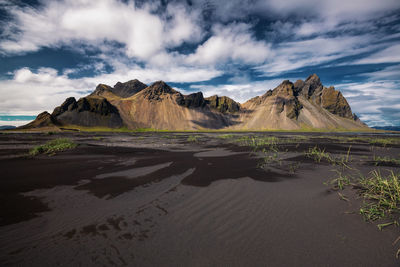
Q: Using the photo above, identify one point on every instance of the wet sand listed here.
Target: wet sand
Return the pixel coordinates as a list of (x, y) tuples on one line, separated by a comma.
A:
[(156, 199)]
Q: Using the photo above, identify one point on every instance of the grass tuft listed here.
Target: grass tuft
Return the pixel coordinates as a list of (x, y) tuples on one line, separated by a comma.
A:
[(53, 146), (381, 195), (318, 154), (193, 138), (340, 182)]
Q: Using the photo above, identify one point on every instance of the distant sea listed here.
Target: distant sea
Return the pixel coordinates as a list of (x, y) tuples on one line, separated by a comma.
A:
[(387, 128), (15, 120)]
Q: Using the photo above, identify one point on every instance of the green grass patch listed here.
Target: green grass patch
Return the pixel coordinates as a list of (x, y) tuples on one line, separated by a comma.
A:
[(384, 141), (318, 154), (193, 138), (260, 143), (53, 146), (340, 182), (269, 159), (381, 195), (226, 136)]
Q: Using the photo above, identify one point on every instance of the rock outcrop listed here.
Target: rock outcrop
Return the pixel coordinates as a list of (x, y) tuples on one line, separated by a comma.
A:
[(223, 104), (129, 88), (326, 97), (123, 90), (88, 111), (42, 120)]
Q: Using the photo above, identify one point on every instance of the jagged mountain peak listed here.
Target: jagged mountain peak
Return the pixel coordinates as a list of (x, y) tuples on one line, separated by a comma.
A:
[(160, 87), (286, 88), (313, 79), (310, 87), (128, 88)]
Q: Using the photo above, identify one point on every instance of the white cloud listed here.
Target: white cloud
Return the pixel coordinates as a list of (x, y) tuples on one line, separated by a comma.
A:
[(369, 100), (331, 9), (183, 27), (305, 53), (387, 55), (31, 93), (231, 42), (388, 73), (70, 22), (149, 74)]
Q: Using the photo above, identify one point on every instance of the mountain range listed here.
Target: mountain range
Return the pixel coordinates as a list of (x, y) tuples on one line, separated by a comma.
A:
[(290, 106)]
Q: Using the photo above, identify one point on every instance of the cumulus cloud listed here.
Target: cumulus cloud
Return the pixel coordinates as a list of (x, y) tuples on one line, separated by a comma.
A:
[(71, 22), (30, 93), (231, 42)]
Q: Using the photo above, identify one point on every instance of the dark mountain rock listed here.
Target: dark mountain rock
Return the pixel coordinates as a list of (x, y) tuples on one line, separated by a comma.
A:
[(129, 88), (328, 98), (157, 89), (311, 88), (101, 89), (223, 104), (44, 119), (194, 100), (69, 104), (88, 111), (123, 90), (286, 97), (334, 102)]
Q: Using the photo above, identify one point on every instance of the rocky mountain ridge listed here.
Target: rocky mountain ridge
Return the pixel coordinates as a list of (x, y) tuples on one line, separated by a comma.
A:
[(133, 104)]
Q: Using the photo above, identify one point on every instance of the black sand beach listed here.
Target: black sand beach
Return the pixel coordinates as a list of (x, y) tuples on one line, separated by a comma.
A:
[(183, 199)]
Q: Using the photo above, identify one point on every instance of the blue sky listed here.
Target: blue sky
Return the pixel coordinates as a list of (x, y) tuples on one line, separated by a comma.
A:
[(50, 50)]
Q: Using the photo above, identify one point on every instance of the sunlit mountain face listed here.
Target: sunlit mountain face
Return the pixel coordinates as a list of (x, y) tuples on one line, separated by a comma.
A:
[(51, 50)]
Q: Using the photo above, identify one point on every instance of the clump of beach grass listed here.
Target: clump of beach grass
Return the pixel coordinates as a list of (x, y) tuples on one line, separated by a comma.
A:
[(381, 195), (260, 143), (226, 136), (193, 138), (53, 146), (340, 182), (318, 154)]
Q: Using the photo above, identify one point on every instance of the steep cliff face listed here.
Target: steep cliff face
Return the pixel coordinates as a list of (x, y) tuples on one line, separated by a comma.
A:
[(328, 98), (304, 104), (334, 102)]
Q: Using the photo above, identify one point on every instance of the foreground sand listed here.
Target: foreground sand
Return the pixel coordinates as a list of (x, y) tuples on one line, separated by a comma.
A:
[(161, 199)]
